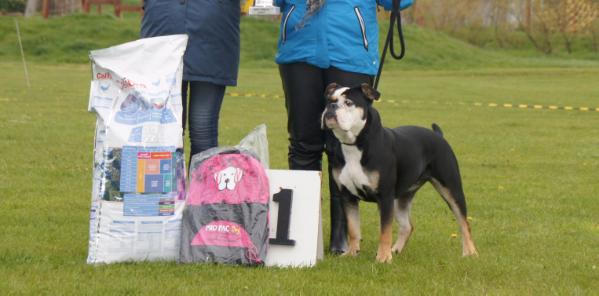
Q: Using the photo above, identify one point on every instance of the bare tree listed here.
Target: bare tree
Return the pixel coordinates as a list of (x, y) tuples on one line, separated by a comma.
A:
[(594, 30), (573, 17), (499, 13), (536, 21)]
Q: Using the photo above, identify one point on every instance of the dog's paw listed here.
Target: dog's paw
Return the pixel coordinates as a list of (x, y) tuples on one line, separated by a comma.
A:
[(398, 247), (470, 252), (353, 252), (468, 249), (384, 256)]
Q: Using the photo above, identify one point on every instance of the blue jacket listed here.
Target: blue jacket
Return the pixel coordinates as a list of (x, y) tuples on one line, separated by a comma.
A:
[(212, 53), (344, 34)]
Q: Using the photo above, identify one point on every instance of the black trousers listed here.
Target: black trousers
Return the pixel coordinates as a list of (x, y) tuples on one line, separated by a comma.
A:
[(304, 87)]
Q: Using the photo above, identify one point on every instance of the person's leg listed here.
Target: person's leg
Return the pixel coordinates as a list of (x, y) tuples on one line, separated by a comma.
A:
[(338, 220), (304, 88), (205, 101)]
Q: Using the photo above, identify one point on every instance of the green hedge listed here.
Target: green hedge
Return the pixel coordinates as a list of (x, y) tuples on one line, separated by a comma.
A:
[(12, 5)]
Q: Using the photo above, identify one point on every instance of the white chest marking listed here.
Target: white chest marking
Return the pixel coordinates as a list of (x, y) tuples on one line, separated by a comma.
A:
[(352, 175)]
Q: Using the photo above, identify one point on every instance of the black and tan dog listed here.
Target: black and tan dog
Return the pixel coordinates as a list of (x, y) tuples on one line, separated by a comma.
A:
[(387, 166)]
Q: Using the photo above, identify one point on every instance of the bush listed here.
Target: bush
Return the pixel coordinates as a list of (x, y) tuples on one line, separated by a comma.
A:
[(12, 5)]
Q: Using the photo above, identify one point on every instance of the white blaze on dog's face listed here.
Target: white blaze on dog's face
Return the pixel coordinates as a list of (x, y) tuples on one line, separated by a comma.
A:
[(343, 116), (228, 178)]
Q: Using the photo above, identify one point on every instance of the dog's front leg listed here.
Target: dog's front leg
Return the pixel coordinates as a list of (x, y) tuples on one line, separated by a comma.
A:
[(352, 213), (384, 254)]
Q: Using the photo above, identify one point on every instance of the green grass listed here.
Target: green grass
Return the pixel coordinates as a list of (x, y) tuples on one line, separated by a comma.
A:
[(517, 43), (530, 178), (69, 40)]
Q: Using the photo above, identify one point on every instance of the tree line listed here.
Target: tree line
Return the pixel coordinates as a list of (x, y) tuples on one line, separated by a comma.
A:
[(544, 23)]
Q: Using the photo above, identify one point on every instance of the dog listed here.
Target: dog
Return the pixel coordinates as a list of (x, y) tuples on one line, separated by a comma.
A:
[(376, 164), (228, 178)]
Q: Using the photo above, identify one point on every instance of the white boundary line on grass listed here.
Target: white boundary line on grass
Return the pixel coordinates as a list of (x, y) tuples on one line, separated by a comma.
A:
[(22, 54)]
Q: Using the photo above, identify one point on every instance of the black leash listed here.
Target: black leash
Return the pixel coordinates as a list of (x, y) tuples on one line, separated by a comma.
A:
[(395, 17)]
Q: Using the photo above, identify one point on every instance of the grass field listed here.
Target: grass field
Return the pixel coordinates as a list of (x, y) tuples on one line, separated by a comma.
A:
[(530, 176)]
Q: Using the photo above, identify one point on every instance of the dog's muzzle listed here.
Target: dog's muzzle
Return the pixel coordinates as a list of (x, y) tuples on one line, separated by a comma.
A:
[(330, 112), (329, 116)]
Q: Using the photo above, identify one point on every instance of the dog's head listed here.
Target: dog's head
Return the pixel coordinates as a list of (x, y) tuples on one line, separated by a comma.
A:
[(228, 178), (347, 109)]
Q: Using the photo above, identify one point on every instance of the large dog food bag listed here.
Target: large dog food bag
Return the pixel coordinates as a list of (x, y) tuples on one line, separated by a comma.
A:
[(138, 190)]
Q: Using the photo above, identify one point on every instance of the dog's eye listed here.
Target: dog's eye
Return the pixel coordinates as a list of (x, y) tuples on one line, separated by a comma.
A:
[(349, 103)]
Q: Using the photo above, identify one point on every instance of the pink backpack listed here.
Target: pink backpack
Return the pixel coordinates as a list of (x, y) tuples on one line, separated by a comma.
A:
[(226, 214)]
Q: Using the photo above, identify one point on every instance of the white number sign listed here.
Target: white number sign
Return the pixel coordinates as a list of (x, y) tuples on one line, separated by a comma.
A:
[(295, 218)]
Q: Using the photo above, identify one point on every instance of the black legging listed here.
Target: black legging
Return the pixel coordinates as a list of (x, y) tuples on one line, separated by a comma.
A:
[(304, 87)]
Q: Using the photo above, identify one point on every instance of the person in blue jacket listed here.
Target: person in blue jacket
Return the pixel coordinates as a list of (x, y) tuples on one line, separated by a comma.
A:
[(211, 59), (322, 42)]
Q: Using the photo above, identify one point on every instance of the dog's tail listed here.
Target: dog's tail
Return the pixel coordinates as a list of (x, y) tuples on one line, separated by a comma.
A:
[(437, 129)]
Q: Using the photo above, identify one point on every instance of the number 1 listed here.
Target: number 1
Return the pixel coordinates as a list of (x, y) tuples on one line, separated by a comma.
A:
[(284, 199)]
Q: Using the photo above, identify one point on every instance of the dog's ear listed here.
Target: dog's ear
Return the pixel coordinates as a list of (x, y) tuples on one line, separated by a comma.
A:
[(238, 174), (218, 178), (330, 90), (370, 92)]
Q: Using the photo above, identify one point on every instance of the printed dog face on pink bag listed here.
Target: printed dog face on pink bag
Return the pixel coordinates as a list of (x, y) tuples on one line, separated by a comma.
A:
[(227, 178)]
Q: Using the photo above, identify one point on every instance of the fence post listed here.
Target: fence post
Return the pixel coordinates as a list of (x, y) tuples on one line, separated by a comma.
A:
[(46, 8), (117, 8), (85, 4)]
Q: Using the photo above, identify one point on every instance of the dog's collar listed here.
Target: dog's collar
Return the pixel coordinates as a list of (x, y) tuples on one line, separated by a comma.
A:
[(352, 144)]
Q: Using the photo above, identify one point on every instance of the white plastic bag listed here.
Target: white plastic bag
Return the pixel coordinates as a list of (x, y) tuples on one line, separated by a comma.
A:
[(256, 142), (139, 168)]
